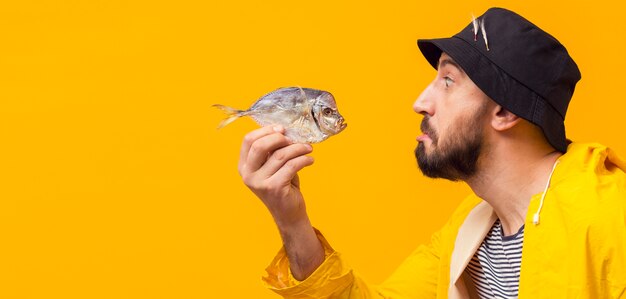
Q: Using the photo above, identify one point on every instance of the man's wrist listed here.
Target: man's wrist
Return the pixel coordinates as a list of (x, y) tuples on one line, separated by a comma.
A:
[(293, 227)]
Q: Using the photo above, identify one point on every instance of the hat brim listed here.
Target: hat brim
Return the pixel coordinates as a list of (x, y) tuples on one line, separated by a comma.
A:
[(499, 86)]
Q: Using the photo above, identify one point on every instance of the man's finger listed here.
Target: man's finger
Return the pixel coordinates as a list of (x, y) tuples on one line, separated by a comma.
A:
[(290, 169), (262, 148), (281, 156), (251, 137)]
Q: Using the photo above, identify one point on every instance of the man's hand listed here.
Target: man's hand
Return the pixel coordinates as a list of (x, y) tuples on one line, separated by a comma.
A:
[(268, 164)]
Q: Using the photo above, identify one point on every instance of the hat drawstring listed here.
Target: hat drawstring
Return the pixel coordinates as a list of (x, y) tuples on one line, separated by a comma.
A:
[(543, 196)]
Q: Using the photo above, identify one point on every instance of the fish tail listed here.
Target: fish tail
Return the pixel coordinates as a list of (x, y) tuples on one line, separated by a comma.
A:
[(232, 114)]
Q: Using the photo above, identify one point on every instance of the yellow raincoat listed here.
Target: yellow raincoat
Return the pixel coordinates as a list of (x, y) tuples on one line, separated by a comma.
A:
[(577, 250)]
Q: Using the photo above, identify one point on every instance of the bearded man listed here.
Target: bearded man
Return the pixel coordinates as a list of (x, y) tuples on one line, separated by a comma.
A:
[(547, 218)]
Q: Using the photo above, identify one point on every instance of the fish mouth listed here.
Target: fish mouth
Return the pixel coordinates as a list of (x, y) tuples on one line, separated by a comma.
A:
[(342, 127)]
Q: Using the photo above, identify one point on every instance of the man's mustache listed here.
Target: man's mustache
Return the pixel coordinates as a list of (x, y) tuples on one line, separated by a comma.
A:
[(427, 129)]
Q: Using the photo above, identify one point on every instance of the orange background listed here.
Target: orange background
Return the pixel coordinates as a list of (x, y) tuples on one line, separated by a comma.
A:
[(116, 184)]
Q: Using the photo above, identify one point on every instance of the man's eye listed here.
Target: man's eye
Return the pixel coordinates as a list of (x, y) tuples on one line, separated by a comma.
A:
[(448, 81)]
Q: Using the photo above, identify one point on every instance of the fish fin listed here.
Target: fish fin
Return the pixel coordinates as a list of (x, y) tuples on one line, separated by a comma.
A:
[(232, 114), (302, 92)]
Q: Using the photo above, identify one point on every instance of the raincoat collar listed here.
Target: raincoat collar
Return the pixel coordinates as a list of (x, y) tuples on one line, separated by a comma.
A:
[(580, 159)]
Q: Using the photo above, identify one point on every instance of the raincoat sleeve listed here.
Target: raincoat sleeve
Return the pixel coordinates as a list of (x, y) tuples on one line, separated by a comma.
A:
[(416, 277)]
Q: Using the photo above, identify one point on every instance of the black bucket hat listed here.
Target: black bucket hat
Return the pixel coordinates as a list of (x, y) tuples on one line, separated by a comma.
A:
[(518, 65)]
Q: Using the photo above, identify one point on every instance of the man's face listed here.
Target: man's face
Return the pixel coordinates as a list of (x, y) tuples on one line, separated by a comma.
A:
[(454, 110)]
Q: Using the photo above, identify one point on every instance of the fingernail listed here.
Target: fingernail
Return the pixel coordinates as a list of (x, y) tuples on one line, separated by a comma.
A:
[(278, 129), (308, 146)]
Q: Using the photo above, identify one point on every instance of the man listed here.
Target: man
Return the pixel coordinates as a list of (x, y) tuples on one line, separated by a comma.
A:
[(493, 118)]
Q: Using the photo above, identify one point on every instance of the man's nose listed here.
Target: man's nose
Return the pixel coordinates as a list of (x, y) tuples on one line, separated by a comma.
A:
[(424, 103)]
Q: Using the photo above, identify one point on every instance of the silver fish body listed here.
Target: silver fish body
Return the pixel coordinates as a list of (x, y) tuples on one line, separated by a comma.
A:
[(308, 115)]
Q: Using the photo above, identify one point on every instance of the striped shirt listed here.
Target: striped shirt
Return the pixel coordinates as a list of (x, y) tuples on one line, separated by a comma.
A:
[(495, 266)]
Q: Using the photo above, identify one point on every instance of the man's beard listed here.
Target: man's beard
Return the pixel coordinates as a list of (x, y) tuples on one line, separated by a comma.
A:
[(457, 159)]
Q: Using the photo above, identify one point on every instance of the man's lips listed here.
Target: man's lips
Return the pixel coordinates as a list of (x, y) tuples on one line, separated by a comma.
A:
[(423, 137)]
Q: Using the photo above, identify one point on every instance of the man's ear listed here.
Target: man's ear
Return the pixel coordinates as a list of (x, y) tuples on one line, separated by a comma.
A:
[(502, 119)]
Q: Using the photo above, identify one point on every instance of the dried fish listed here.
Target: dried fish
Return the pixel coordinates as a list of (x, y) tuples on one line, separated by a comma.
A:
[(475, 25), (308, 115), (482, 27)]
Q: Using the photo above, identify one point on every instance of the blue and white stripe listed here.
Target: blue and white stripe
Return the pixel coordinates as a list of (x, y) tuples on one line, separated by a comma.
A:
[(495, 267)]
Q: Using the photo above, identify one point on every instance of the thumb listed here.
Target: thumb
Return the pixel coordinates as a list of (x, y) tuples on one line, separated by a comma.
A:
[(295, 181)]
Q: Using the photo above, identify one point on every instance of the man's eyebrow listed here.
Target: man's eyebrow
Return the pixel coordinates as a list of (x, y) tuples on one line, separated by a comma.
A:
[(446, 61)]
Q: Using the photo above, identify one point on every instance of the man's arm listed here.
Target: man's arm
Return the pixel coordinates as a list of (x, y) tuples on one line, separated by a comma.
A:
[(268, 164)]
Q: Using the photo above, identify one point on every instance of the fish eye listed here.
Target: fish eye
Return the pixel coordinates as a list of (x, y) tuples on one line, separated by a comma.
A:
[(327, 111)]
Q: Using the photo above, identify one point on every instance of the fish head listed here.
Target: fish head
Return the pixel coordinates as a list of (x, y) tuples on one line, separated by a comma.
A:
[(327, 116)]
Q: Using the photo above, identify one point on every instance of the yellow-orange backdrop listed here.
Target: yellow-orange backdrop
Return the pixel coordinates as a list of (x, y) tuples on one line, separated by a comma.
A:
[(116, 184)]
